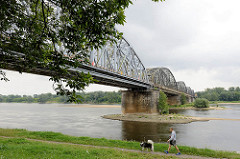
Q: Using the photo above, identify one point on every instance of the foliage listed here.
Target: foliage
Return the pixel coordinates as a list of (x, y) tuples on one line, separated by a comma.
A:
[(91, 98), (56, 35), (102, 97), (162, 104), (220, 94), (183, 99), (182, 106), (201, 103), (52, 136)]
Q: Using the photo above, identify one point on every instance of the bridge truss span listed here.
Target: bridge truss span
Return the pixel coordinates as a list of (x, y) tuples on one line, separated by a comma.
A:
[(121, 59), (115, 64), (164, 78)]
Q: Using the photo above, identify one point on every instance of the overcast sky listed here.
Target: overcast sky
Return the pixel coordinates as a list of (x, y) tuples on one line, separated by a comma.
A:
[(198, 40)]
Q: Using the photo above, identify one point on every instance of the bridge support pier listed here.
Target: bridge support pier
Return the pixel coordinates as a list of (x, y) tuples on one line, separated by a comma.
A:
[(140, 101), (192, 99), (146, 101), (174, 100)]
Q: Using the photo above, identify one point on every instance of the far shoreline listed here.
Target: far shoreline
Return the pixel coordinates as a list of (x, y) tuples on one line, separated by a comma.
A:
[(193, 108), (229, 103), (93, 105)]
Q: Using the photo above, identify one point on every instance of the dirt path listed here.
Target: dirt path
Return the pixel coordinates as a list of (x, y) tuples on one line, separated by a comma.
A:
[(116, 148)]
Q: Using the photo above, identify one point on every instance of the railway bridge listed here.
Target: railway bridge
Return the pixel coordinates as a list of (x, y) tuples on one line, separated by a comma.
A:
[(118, 65)]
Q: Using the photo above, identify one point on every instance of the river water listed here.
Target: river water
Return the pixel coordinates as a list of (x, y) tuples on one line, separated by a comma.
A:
[(87, 121)]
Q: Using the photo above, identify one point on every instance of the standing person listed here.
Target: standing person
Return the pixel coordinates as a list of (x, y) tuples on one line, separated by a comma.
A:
[(172, 142)]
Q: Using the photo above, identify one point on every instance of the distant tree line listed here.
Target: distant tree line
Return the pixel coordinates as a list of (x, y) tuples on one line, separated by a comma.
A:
[(220, 94), (90, 98)]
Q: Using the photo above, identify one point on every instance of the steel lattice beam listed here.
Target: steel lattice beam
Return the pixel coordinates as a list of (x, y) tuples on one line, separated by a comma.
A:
[(163, 77), (121, 59)]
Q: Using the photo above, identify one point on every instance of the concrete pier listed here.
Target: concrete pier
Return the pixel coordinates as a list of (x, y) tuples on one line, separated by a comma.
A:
[(145, 101), (174, 100)]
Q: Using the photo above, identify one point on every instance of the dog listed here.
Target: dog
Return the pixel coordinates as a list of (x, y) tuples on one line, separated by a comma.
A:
[(149, 145)]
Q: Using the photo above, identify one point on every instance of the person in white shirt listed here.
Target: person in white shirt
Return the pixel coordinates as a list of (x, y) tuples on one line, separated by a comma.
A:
[(173, 141)]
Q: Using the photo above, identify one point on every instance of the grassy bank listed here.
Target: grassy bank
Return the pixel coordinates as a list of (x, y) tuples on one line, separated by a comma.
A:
[(19, 145), (22, 148)]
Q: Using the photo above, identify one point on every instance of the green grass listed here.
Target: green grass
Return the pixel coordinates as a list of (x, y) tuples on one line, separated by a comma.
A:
[(22, 148), (53, 136)]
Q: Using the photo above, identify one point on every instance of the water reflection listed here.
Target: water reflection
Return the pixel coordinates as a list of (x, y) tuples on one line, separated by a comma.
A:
[(151, 131), (191, 112)]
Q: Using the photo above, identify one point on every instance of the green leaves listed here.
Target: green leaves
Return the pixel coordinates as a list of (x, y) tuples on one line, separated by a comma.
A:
[(57, 35), (201, 103), (183, 99), (162, 104)]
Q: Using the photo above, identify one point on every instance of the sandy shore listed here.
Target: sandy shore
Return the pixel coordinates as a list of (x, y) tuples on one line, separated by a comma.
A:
[(228, 103), (171, 118), (119, 106), (93, 106), (205, 118), (193, 108)]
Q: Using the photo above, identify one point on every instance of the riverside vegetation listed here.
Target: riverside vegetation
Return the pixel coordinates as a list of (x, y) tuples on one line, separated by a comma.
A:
[(20, 146), (218, 94), (98, 97), (221, 94), (163, 107), (201, 103)]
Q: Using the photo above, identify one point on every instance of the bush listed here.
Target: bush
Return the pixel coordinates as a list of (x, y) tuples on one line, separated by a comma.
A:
[(201, 103), (162, 104), (183, 99)]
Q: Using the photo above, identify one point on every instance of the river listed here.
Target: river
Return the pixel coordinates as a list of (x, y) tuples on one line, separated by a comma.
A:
[(87, 121)]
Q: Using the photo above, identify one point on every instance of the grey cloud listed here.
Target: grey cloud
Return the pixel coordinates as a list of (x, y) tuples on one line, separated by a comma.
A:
[(188, 35), (171, 34)]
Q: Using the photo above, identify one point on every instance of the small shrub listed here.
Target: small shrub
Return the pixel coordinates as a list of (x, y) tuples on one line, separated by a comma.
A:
[(183, 99), (162, 105), (201, 103)]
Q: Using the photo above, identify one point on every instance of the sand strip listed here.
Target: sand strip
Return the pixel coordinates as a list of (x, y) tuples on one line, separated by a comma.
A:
[(93, 106), (206, 118), (171, 119)]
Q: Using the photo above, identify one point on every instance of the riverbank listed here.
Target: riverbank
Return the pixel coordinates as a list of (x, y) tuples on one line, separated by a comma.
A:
[(224, 102), (171, 118), (193, 108), (229, 103), (92, 106), (19, 143)]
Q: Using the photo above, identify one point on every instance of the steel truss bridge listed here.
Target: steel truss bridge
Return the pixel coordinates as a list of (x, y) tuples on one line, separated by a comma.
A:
[(117, 64)]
